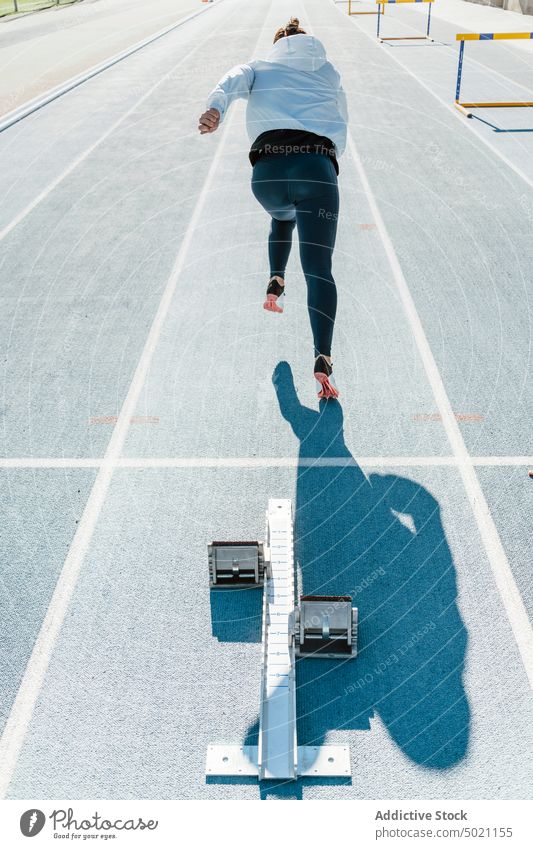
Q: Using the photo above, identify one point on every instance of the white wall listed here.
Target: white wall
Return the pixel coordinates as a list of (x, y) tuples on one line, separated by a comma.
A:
[(524, 6)]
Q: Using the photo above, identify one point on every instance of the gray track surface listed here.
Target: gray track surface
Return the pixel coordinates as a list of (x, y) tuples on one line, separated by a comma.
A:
[(147, 669)]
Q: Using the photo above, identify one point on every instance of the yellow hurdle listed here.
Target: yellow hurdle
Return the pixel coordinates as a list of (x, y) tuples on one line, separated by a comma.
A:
[(464, 106), (362, 13), (487, 36), (381, 10)]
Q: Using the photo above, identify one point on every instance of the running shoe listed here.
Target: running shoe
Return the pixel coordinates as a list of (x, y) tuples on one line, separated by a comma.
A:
[(275, 291), (324, 378)]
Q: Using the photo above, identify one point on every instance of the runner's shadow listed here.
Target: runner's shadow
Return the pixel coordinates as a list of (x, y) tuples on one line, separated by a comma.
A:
[(497, 129), (236, 615), (380, 539)]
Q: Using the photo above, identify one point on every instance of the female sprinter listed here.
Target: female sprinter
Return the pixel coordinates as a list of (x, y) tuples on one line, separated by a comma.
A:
[(296, 119)]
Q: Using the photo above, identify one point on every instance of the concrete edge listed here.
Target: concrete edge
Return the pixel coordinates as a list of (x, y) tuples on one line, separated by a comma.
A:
[(38, 102)]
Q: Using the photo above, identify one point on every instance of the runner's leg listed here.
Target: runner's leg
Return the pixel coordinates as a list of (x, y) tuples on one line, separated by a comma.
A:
[(279, 245), (314, 191)]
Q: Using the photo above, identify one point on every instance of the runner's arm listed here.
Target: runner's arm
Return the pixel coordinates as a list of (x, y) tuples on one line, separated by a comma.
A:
[(236, 83)]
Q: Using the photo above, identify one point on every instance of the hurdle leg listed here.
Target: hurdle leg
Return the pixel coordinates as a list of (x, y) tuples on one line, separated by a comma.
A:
[(429, 21), (462, 109), (379, 20), (459, 72)]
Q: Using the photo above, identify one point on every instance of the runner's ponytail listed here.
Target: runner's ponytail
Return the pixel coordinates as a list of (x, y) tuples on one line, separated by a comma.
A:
[(292, 28)]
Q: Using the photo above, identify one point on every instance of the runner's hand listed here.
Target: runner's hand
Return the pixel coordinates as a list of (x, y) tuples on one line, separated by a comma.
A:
[(209, 121)]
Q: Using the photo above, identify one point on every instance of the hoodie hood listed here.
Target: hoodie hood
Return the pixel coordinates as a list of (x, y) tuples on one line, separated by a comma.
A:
[(303, 52)]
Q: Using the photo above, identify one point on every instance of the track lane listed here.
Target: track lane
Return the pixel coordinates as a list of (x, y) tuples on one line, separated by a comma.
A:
[(150, 542)]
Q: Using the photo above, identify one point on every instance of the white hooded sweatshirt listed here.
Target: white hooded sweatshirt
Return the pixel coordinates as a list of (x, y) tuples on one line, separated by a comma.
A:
[(294, 88)]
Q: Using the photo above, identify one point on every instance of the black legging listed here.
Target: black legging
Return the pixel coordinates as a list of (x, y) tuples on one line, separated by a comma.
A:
[(301, 188)]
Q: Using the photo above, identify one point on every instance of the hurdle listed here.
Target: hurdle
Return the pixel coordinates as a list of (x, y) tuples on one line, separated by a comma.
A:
[(352, 2), (426, 37), (483, 36), (320, 626)]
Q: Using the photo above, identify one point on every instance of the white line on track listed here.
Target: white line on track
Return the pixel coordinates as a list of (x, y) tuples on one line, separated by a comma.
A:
[(501, 569), (497, 558), (87, 152), (465, 122), (22, 709), (251, 462)]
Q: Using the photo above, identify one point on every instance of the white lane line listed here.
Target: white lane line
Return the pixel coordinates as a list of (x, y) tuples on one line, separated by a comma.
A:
[(465, 122), (501, 569), (10, 118), (87, 152), (250, 462), (501, 461), (499, 563), (23, 706), (50, 462), (22, 709)]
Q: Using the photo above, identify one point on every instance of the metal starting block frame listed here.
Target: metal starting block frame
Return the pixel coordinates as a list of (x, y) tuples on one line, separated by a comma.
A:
[(322, 626)]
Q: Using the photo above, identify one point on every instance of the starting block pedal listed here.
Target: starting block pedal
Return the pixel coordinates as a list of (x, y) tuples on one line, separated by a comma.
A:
[(234, 565), (326, 626), (321, 626)]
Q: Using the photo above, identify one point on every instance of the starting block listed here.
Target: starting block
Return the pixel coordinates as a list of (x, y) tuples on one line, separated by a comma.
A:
[(320, 626), (381, 10), (464, 107)]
